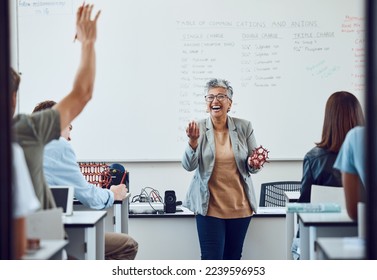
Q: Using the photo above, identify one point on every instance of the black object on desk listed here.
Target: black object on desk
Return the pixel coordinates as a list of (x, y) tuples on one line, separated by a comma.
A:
[(170, 202)]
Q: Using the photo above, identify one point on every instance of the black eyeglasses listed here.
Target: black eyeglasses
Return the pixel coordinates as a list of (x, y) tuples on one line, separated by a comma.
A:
[(219, 97)]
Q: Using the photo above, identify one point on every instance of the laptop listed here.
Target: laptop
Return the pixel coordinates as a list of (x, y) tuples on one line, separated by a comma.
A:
[(63, 196)]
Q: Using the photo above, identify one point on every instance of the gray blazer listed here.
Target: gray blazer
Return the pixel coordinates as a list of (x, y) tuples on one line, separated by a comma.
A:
[(202, 160)]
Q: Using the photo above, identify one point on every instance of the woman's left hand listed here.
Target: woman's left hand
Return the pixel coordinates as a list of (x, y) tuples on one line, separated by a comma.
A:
[(258, 158), (254, 163)]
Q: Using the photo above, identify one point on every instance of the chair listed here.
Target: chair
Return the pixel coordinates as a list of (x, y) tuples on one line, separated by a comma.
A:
[(327, 194), (46, 224), (318, 194), (272, 194)]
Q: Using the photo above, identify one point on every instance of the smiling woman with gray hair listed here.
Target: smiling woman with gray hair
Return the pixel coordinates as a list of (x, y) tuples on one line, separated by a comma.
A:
[(221, 150)]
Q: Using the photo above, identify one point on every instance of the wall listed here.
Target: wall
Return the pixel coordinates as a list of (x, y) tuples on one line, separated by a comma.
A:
[(154, 58), (176, 238)]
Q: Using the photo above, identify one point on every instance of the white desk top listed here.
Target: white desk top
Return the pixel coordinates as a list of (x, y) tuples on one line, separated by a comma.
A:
[(83, 218), (271, 210), (128, 195), (292, 196), (181, 212), (48, 248), (318, 219), (341, 248), (262, 211)]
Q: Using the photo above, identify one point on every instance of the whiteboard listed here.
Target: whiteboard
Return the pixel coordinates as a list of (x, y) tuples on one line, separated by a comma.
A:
[(283, 59)]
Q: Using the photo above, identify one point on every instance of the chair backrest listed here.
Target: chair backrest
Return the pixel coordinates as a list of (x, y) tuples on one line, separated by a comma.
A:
[(272, 194), (45, 224), (324, 194)]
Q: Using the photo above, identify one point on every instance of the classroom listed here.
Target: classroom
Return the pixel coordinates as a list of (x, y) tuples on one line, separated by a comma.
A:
[(283, 65)]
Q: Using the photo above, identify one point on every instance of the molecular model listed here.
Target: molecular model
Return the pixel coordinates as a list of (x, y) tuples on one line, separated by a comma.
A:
[(260, 156)]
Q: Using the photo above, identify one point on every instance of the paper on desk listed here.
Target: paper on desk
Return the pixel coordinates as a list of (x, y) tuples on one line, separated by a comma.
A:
[(313, 207)]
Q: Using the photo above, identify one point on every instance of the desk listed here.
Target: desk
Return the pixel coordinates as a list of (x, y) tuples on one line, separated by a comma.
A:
[(86, 232), (314, 225), (117, 216), (181, 212), (265, 237), (49, 250), (165, 236), (174, 236), (340, 248), (290, 221)]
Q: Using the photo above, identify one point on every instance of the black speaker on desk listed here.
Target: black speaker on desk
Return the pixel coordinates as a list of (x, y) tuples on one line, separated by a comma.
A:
[(170, 202)]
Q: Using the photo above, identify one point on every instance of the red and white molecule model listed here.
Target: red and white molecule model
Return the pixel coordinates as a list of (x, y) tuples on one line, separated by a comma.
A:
[(259, 156)]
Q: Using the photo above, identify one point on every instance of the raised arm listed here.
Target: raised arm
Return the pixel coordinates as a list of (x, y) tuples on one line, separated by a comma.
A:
[(72, 104)]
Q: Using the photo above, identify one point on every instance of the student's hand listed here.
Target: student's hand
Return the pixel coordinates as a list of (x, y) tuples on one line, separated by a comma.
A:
[(120, 191), (192, 132), (85, 27)]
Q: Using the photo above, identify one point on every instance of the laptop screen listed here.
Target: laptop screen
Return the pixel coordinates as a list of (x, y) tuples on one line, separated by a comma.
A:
[(63, 196)]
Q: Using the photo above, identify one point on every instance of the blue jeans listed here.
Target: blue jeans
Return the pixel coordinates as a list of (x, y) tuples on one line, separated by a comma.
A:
[(221, 239)]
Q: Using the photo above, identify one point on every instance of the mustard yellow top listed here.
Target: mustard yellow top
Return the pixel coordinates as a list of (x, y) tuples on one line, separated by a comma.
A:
[(227, 195)]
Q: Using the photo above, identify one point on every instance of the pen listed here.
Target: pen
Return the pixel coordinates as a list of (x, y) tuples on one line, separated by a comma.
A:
[(82, 7)]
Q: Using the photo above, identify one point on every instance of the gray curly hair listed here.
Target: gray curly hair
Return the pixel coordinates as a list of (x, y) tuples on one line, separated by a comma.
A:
[(215, 83)]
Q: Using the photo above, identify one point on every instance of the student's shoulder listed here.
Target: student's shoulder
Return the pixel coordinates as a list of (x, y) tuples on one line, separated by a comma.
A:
[(60, 145), (36, 120), (47, 114), (355, 135), (357, 131), (316, 152)]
